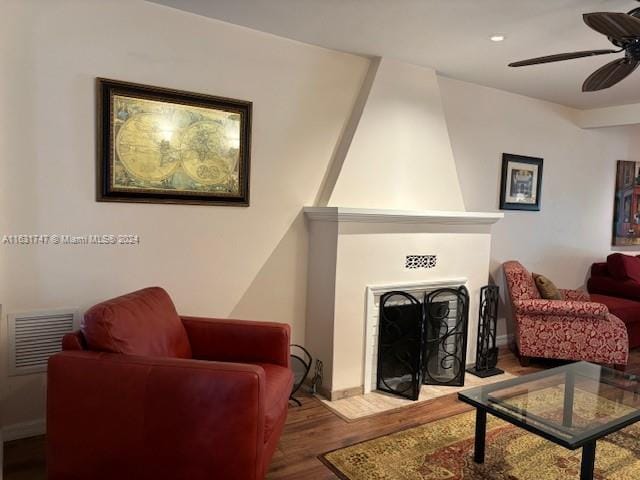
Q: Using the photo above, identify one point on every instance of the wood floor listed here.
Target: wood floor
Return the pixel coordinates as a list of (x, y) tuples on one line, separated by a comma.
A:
[(311, 429)]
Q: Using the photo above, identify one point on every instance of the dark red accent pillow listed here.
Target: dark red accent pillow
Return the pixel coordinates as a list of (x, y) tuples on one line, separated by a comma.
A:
[(624, 267), (144, 322), (599, 269)]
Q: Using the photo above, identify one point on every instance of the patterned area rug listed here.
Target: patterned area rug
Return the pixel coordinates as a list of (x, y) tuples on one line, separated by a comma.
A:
[(443, 450)]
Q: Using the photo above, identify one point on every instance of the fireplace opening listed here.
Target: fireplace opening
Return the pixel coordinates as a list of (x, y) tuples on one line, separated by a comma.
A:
[(422, 342)]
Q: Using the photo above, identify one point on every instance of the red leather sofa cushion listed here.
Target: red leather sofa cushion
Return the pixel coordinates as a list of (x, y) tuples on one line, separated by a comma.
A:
[(607, 285), (626, 310), (621, 296), (144, 323), (243, 341), (623, 267), (599, 269)]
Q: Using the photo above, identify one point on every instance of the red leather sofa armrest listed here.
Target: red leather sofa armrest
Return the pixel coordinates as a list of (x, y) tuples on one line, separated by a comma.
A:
[(561, 308), (238, 340), (120, 416)]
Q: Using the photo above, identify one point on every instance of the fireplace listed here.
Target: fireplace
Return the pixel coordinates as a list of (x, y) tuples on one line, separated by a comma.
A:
[(357, 255), (422, 341), (389, 211)]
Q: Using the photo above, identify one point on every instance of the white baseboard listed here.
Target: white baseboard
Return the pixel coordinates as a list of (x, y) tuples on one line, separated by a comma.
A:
[(24, 430), (503, 340)]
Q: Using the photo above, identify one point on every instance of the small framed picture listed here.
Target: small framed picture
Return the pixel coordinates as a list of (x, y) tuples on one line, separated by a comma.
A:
[(521, 182)]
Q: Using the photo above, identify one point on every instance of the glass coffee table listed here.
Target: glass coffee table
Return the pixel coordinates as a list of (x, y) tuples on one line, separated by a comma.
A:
[(573, 406)]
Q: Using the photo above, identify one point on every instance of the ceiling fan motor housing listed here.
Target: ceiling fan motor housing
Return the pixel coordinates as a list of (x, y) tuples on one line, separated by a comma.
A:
[(633, 50)]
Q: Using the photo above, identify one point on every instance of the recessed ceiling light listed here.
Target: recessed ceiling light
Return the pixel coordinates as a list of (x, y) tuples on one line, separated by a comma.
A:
[(497, 38)]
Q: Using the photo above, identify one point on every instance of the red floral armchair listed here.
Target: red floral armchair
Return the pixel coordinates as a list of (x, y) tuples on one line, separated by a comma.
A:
[(570, 329)]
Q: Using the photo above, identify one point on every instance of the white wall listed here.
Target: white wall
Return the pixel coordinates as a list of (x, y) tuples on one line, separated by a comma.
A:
[(573, 228), (609, 116), (218, 261), (400, 157)]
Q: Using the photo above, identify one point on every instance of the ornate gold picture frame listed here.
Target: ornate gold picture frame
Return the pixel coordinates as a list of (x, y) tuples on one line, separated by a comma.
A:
[(157, 145)]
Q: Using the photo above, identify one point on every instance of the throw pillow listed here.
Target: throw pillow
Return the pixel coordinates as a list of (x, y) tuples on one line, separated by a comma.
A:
[(546, 287), (624, 267)]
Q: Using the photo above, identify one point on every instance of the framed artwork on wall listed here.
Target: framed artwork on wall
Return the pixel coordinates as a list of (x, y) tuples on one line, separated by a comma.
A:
[(157, 145), (626, 210), (521, 183)]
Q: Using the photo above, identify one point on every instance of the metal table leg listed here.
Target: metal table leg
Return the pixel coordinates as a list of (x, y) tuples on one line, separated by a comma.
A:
[(481, 433), (569, 389), (588, 461)]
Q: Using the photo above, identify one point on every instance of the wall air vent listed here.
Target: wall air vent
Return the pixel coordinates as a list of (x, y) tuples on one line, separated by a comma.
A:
[(35, 336)]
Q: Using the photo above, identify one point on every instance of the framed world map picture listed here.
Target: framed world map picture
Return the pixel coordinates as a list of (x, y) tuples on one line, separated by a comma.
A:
[(157, 145)]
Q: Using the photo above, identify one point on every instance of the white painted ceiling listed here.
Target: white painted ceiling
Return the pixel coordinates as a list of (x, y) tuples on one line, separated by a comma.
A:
[(451, 36)]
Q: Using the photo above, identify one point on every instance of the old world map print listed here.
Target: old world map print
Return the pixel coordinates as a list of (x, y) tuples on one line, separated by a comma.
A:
[(171, 147)]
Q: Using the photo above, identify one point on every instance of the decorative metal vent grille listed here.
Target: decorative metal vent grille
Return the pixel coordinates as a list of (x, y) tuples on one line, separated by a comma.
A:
[(420, 261), (35, 336)]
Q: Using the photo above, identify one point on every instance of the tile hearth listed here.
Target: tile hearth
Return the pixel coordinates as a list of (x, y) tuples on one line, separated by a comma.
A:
[(361, 406)]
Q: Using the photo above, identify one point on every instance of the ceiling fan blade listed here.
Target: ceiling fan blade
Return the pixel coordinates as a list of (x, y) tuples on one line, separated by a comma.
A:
[(609, 75), (619, 26), (560, 57)]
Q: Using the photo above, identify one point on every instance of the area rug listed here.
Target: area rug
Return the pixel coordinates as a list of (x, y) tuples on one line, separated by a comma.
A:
[(443, 450)]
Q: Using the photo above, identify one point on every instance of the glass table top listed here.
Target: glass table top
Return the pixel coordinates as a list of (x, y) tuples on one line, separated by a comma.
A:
[(570, 405)]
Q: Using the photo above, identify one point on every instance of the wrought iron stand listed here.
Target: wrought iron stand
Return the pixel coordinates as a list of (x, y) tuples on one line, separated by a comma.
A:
[(487, 351), (300, 364)]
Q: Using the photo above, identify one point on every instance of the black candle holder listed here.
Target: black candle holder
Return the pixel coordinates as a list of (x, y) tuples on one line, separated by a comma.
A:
[(487, 351)]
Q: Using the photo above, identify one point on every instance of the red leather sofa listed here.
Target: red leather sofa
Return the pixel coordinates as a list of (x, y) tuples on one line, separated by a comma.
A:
[(143, 393), (616, 284)]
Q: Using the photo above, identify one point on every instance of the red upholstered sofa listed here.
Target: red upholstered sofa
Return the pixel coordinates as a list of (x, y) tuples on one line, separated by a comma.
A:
[(142, 393), (616, 283), (574, 328)]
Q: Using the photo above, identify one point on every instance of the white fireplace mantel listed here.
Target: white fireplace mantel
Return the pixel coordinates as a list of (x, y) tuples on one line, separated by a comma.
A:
[(369, 215)]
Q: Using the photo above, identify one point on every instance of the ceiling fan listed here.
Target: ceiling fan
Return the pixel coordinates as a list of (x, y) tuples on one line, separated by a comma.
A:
[(623, 30)]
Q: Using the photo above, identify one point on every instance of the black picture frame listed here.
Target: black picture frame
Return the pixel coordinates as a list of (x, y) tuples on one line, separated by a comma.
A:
[(107, 189), (527, 186)]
